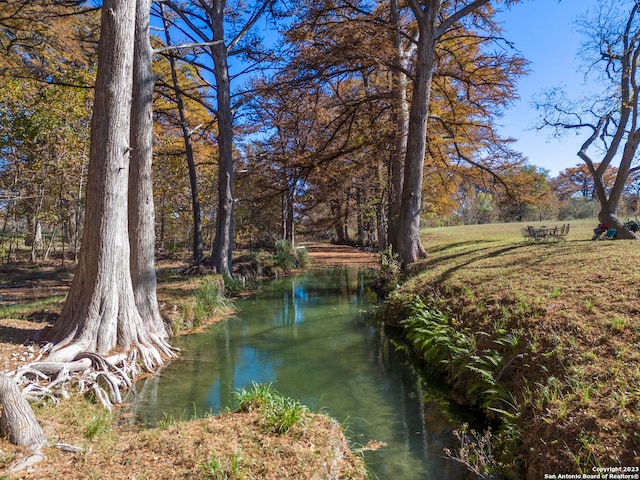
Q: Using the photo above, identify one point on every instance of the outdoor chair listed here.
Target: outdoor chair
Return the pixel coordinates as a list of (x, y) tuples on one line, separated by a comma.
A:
[(610, 234), (564, 231)]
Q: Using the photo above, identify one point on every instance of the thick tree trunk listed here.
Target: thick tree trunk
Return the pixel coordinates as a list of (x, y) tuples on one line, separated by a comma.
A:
[(288, 214), (381, 217), (18, 423), (100, 312), (78, 216), (400, 118), (408, 244), (223, 243), (609, 203)]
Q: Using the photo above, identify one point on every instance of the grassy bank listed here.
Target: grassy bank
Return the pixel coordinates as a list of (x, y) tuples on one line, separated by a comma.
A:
[(268, 437), (544, 336)]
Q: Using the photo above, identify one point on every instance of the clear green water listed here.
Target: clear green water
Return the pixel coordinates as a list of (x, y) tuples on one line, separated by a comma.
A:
[(310, 337)]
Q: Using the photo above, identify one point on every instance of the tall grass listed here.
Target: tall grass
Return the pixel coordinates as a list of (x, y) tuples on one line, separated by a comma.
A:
[(209, 299), (287, 257)]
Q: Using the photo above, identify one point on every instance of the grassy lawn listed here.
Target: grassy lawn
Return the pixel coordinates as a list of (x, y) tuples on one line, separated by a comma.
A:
[(570, 310)]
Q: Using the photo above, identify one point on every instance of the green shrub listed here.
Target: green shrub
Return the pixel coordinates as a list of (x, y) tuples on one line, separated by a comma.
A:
[(303, 257), (232, 286), (287, 257), (390, 271)]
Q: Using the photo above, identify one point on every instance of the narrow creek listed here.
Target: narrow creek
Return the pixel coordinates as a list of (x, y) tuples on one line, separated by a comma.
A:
[(312, 338)]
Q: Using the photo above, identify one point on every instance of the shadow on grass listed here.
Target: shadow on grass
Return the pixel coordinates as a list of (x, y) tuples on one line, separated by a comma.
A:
[(16, 335), (453, 246), (540, 252)]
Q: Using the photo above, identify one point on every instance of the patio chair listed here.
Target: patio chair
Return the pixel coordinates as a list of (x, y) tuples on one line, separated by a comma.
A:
[(564, 231)]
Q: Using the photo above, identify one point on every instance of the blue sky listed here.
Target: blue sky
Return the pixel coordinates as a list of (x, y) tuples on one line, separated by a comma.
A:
[(543, 32)]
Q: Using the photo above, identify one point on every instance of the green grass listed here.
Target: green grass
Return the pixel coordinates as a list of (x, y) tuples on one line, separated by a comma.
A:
[(25, 310), (98, 423), (279, 413), (209, 298)]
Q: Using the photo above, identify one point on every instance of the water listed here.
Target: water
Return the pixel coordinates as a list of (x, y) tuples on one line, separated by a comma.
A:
[(310, 337)]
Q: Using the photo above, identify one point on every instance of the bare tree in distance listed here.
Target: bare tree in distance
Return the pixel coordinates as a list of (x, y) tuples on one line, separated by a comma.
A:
[(610, 118), (205, 24), (198, 252)]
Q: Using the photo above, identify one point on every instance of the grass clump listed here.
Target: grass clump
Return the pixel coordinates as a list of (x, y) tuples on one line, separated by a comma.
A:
[(279, 413), (209, 298), (287, 257), (215, 468), (206, 300), (98, 423)]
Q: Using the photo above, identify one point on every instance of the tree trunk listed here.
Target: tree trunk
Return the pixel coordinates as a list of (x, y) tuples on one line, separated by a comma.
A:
[(18, 423), (198, 254), (359, 217), (408, 244), (288, 213), (400, 118), (36, 243), (100, 312), (223, 243), (141, 204), (78, 215)]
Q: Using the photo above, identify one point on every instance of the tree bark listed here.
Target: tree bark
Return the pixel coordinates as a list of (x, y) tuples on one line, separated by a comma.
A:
[(400, 118), (223, 243), (18, 423), (408, 244), (141, 204), (427, 13), (100, 312)]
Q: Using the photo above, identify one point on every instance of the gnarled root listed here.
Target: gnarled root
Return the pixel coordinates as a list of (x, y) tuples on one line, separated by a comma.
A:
[(104, 377)]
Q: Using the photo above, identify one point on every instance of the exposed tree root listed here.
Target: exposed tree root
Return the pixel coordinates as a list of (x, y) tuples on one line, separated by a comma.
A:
[(26, 462), (103, 377)]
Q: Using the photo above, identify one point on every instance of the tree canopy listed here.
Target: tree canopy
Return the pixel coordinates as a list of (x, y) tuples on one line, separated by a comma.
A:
[(318, 120)]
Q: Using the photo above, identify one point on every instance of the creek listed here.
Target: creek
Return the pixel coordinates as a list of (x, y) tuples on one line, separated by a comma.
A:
[(312, 337)]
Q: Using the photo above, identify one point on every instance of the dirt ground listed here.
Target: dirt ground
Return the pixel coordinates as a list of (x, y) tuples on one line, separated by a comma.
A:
[(323, 254), (181, 450)]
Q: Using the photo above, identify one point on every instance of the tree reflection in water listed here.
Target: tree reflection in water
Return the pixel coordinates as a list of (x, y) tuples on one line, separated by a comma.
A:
[(311, 336)]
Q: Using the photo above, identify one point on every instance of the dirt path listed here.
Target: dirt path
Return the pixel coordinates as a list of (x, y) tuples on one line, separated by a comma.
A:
[(325, 254)]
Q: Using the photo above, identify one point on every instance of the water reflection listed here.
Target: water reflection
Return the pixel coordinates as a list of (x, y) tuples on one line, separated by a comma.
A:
[(310, 336)]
